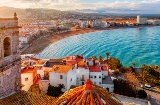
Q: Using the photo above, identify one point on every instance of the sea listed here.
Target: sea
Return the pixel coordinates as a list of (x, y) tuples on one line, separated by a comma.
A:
[(139, 45)]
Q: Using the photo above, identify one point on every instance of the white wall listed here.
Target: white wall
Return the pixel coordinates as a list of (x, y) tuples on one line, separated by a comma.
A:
[(105, 73), (71, 78), (27, 83), (79, 72), (43, 86), (110, 86), (54, 79), (96, 80)]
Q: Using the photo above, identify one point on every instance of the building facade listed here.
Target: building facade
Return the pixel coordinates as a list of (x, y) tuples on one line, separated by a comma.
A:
[(10, 71)]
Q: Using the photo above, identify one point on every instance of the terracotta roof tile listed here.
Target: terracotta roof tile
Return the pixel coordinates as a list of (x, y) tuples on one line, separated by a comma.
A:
[(61, 68), (28, 70), (87, 95), (28, 98), (95, 68)]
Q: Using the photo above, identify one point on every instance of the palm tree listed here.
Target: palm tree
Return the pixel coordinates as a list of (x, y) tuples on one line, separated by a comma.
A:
[(100, 58), (94, 57), (134, 64), (143, 65), (107, 54)]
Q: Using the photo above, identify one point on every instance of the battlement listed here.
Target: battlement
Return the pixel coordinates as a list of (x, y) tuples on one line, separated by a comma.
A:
[(9, 22)]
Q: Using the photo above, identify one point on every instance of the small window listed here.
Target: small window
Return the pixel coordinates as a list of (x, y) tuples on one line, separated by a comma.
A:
[(94, 76), (61, 77), (94, 82), (91, 76), (99, 76), (71, 79), (99, 82), (26, 79)]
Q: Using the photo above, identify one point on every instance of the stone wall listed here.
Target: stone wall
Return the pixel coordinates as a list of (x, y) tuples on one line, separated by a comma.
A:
[(10, 80), (8, 23)]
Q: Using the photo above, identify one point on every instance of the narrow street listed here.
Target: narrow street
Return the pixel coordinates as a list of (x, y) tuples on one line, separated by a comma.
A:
[(154, 97)]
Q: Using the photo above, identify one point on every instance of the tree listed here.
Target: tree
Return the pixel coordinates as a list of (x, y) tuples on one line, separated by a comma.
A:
[(55, 91), (114, 64), (107, 54), (132, 79), (94, 57), (143, 66), (134, 64), (142, 93), (123, 87), (116, 73), (100, 58)]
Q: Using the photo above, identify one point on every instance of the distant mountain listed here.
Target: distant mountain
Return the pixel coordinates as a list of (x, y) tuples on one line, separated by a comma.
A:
[(9, 11), (116, 12), (6, 12)]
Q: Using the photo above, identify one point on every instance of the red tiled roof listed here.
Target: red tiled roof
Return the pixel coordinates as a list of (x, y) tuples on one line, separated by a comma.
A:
[(71, 62), (90, 59), (34, 59), (95, 68), (87, 95), (28, 70), (104, 68)]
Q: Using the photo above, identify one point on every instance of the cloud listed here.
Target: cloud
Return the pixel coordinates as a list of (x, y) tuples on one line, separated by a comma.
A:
[(145, 6)]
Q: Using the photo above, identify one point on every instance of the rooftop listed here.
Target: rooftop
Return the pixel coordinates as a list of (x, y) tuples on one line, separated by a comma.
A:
[(41, 62), (61, 68), (107, 80), (95, 68), (28, 98), (88, 95), (28, 70)]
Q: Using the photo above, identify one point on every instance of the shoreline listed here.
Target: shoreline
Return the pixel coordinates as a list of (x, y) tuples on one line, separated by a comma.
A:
[(40, 44)]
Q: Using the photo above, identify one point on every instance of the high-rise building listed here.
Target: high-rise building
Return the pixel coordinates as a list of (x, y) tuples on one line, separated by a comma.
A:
[(10, 68)]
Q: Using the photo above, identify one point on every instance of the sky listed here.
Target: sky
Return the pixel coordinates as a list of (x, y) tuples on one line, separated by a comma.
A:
[(111, 6)]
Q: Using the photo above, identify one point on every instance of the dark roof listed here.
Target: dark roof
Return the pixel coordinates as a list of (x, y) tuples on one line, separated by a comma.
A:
[(107, 80), (52, 62)]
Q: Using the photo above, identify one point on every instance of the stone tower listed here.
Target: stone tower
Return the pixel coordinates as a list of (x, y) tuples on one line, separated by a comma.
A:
[(10, 68)]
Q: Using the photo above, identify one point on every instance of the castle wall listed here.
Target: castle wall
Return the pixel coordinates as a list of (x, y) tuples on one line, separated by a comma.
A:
[(8, 23), (10, 68)]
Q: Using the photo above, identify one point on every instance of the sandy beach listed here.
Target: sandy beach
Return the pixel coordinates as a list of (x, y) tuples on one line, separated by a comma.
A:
[(38, 45)]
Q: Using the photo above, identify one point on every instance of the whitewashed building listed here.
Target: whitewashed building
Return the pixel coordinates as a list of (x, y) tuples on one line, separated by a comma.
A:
[(28, 77), (62, 74), (141, 20)]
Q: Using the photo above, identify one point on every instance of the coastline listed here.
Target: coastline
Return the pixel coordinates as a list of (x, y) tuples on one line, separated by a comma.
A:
[(40, 44)]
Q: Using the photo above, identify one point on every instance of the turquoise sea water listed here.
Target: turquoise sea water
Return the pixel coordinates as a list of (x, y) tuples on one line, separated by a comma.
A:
[(140, 45)]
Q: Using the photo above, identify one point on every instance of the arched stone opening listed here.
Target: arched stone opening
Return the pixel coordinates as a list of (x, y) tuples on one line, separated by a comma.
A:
[(7, 46)]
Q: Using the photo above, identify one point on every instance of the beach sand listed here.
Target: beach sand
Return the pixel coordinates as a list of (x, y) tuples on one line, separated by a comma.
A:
[(38, 45)]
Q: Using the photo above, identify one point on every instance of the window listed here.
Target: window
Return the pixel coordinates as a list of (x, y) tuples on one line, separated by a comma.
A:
[(61, 77), (99, 76), (91, 76), (71, 79), (99, 82), (94, 82), (94, 76), (26, 79)]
